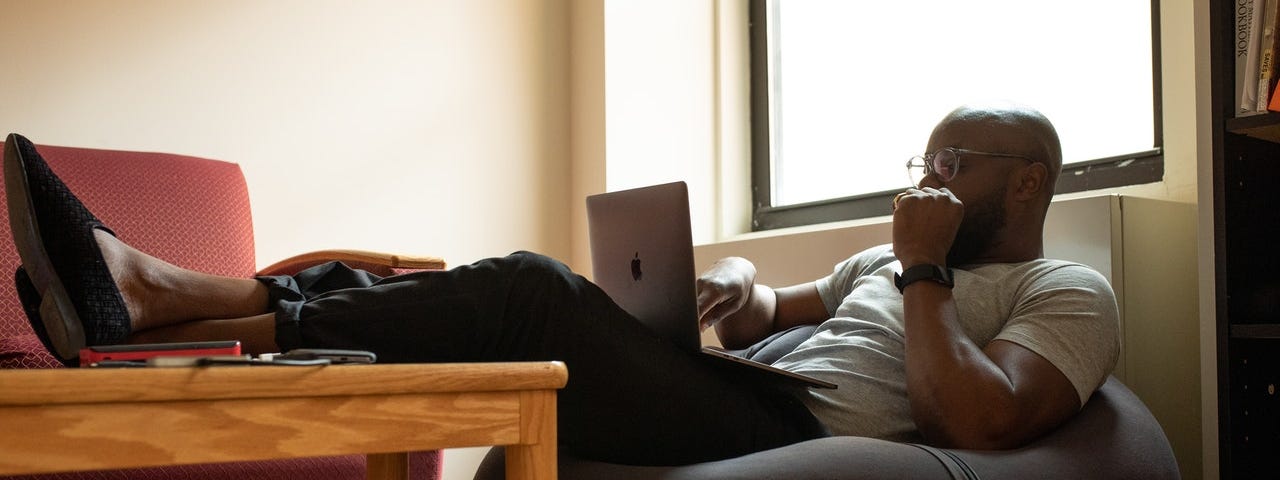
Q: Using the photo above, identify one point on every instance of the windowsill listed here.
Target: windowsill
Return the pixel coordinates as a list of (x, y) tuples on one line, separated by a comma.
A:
[(1144, 190), (804, 229)]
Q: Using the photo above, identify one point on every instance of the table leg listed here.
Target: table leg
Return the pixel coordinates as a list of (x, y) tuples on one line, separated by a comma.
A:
[(535, 457)]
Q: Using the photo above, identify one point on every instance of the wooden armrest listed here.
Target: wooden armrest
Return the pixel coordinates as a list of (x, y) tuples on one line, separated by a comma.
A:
[(355, 258)]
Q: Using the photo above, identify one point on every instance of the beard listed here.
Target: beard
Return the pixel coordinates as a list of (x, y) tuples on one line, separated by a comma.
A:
[(983, 218)]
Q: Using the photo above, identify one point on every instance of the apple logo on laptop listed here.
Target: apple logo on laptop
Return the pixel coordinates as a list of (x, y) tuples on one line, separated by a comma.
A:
[(635, 268)]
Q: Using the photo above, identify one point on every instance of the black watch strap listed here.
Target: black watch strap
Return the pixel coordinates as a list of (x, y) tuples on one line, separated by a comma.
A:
[(924, 272)]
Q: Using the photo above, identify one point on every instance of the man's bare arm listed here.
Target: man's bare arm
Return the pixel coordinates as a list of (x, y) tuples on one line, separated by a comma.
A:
[(744, 313), (963, 396)]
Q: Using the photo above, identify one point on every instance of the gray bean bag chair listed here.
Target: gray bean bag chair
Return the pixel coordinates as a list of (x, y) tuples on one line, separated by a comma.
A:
[(1113, 436)]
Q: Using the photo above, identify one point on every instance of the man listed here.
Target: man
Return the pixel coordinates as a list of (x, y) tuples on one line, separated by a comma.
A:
[(1013, 350), (1008, 355)]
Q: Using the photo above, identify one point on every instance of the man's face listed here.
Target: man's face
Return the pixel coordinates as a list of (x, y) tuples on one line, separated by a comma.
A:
[(981, 184), (983, 218)]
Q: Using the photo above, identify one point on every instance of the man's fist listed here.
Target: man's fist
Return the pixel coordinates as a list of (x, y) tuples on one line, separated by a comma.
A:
[(925, 222)]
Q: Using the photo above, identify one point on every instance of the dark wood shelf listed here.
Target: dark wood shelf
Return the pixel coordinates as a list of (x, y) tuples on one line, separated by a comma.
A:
[(1263, 126), (1256, 330), (1245, 154)]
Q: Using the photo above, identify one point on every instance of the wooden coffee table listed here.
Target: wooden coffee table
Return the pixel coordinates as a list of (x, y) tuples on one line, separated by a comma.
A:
[(101, 419)]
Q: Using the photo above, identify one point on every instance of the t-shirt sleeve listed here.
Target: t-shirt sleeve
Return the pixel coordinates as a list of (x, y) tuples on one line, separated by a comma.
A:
[(835, 287), (1068, 315)]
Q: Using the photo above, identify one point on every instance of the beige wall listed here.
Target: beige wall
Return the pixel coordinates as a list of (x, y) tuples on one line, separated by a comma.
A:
[(482, 122), (587, 119), (660, 98), (432, 127), (436, 127)]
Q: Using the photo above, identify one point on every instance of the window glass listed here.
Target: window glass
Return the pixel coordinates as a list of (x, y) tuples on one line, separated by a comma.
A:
[(856, 87)]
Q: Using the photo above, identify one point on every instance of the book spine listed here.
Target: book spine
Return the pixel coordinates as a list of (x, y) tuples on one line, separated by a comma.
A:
[(1266, 65), (1246, 56), (1244, 14)]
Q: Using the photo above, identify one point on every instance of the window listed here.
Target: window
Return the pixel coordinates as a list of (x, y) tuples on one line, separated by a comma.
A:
[(843, 92)]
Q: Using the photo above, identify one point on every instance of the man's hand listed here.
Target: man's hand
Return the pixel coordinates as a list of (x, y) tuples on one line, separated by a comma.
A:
[(723, 290), (744, 313), (925, 222)]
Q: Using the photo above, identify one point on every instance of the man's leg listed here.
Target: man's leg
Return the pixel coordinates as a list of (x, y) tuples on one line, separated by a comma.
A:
[(167, 303), (632, 397), (256, 334)]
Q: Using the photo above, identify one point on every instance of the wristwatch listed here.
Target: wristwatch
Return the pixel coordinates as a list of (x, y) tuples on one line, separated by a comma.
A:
[(926, 271)]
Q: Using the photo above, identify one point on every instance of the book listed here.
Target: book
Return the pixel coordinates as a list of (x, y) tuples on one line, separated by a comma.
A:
[(1244, 22), (1274, 104), (1266, 62), (1248, 36)]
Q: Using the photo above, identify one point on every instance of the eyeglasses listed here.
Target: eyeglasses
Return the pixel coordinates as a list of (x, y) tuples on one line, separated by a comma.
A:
[(946, 163)]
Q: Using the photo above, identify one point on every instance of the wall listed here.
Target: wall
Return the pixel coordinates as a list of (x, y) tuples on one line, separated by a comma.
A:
[(434, 127), (358, 125), (660, 106), (1198, 24), (587, 119), (668, 73)]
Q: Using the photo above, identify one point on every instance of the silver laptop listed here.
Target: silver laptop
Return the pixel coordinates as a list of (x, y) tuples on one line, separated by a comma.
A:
[(642, 256)]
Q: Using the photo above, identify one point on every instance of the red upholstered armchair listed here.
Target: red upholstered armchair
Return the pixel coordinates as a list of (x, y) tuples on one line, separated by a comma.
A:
[(192, 212)]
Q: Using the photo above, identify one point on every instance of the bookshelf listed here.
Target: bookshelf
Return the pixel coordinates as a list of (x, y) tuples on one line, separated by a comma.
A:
[(1265, 127), (1246, 219)]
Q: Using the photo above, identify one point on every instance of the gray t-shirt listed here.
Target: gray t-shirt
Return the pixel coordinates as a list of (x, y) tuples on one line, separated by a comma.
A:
[(1065, 312)]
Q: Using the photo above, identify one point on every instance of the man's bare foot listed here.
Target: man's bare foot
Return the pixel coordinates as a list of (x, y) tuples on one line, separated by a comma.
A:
[(159, 294), (135, 274)]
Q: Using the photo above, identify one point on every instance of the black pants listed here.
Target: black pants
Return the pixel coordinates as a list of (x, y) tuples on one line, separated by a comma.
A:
[(631, 397)]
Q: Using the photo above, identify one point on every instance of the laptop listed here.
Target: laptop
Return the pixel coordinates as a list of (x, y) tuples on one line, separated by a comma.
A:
[(642, 256)]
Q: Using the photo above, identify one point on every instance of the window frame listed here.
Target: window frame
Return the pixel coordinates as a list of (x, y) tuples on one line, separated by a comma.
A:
[(1129, 169)]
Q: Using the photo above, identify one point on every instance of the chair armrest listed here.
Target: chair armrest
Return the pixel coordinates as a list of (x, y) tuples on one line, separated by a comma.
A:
[(376, 262)]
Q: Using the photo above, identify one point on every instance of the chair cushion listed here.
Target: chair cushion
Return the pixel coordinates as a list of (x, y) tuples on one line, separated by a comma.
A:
[(25, 351)]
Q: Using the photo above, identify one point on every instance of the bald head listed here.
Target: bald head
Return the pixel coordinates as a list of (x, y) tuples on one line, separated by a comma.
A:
[(1005, 200), (1006, 128)]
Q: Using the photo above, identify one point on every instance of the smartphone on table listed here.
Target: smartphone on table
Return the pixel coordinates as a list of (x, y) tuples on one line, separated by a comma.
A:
[(332, 355), (144, 351)]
